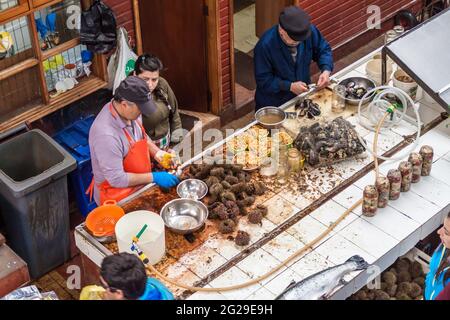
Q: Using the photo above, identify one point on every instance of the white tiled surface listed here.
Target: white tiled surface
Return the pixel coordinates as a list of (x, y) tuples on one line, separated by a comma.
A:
[(437, 140), (329, 212), (262, 294), (207, 295), (393, 223), (369, 237), (351, 74), (387, 139), (256, 231), (283, 246), (202, 261), (226, 248), (259, 263), (349, 196), (279, 283), (348, 168), (415, 207), (447, 157), (432, 190), (441, 171), (426, 113), (338, 250), (404, 128), (368, 179), (231, 277), (280, 210), (299, 199), (310, 264), (308, 229)]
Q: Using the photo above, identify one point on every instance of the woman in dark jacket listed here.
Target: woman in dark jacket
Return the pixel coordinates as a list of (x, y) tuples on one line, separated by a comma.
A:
[(161, 125)]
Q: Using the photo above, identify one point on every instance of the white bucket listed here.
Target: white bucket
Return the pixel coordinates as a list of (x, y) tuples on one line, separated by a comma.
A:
[(374, 70), (409, 87), (152, 241)]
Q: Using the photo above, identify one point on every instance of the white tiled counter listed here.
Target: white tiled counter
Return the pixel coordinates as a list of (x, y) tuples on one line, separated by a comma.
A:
[(380, 240)]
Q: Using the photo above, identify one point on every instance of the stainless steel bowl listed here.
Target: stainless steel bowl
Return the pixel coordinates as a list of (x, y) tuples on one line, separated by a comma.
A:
[(192, 189), (366, 83), (184, 216), (270, 111)]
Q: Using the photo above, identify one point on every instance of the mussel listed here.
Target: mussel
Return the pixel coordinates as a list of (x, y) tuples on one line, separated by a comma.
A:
[(308, 108)]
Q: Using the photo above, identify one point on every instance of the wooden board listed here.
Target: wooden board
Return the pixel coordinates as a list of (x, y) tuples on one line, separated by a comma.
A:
[(13, 271), (324, 99)]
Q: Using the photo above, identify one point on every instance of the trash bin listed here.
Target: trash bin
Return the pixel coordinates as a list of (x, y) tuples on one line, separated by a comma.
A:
[(34, 199)]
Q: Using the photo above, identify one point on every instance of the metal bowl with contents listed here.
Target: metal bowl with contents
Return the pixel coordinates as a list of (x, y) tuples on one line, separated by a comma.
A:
[(184, 216), (192, 189), (354, 84), (270, 117)]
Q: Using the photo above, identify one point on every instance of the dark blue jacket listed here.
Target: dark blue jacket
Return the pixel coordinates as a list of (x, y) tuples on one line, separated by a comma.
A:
[(275, 69)]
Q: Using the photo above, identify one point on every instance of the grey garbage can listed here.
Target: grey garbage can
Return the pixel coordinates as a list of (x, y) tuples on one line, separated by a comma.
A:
[(34, 199)]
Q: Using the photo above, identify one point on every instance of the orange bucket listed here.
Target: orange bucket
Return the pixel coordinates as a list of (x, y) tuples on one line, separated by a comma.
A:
[(102, 220)]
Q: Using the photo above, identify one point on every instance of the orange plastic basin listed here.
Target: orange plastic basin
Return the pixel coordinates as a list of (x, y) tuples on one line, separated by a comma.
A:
[(102, 220)]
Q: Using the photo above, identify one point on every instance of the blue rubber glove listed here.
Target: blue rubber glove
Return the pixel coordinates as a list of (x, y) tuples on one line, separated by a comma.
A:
[(165, 180)]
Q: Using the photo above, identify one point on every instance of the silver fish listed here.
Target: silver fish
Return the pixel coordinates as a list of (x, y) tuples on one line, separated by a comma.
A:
[(321, 285)]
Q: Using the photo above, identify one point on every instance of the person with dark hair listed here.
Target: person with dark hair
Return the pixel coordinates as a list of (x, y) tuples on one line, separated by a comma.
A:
[(121, 151), (123, 277), (162, 124), (439, 275), (283, 55)]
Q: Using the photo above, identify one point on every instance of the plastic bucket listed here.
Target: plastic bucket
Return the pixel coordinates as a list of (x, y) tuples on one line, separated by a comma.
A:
[(152, 241), (409, 87), (374, 69)]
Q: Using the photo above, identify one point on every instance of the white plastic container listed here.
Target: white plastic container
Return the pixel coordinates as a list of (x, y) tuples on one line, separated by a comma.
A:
[(152, 241), (409, 87), (373, 70)]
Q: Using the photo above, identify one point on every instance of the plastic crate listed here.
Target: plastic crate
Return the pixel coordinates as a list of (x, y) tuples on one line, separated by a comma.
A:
[(75, 139)]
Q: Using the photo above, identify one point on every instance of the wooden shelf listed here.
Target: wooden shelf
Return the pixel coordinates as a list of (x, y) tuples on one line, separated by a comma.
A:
[(84, 88)]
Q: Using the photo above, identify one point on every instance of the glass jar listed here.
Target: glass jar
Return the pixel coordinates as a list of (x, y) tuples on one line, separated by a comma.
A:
[(283, 169), (268, 170), (338, 104), (399, 30), (294, 158), (390, 35), (282, 174)]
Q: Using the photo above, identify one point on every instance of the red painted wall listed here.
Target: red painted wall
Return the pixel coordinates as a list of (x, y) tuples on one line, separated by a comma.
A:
[(338, 20), (225, 53), (341, 20)]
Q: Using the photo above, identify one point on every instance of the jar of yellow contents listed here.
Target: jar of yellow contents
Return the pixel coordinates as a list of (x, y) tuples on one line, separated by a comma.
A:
[(295, 160)]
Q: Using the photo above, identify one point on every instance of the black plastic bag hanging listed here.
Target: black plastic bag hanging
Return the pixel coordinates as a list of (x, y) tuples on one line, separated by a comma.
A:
[(98, 28)]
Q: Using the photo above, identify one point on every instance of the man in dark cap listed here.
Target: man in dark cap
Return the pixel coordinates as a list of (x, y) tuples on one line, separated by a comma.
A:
[(283, 56), (120, 148)]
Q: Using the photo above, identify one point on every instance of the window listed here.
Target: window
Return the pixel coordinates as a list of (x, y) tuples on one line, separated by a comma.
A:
[(39, 49)]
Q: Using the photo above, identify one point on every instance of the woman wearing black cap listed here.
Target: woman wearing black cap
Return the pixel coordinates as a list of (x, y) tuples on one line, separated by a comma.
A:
[(283, 56), (161, 125)]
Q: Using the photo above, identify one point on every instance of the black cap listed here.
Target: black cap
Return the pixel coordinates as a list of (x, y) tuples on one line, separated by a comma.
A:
[(296, 22), (134, 89)]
